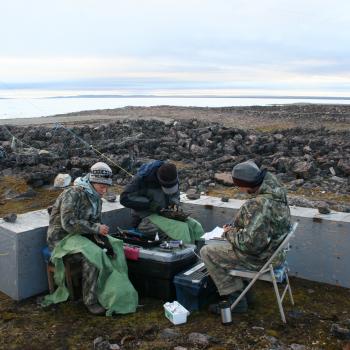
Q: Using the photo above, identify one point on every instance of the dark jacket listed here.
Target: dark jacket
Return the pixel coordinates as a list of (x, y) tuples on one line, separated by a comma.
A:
[(145, 196)]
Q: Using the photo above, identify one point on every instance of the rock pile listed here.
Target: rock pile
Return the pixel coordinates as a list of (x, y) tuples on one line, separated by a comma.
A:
[(205, 152)]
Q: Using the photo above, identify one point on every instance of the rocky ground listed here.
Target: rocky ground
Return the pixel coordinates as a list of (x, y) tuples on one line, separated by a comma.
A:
[(306, 146), (320, 319), (311, 160)]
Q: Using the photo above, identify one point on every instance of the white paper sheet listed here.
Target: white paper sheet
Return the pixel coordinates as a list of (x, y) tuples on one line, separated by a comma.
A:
[(215, 233)]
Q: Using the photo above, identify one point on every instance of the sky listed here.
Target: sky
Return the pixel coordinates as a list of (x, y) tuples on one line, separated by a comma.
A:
[(180, 47)]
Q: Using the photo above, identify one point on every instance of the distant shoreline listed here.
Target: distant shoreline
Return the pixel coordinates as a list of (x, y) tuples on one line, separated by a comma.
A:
[(208, 96), (331, 116), (282, 97)]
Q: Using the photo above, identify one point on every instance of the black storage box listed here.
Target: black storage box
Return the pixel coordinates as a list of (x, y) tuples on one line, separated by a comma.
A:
[(194, 288), (153, 273)]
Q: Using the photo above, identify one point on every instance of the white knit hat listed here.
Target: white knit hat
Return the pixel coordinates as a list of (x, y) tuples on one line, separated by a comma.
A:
[(101, 173)]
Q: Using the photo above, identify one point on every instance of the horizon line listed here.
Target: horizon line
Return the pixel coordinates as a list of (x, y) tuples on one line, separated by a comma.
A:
[(291, 97)]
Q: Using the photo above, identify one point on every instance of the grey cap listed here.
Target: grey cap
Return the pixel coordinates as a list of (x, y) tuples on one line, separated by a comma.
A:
[(246, 174)]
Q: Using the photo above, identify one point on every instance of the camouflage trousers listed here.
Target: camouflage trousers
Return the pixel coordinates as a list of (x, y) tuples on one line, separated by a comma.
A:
[(89, 278), (219, 259)]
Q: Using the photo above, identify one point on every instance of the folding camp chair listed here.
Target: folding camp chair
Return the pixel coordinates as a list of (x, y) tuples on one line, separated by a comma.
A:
[(270, 274)]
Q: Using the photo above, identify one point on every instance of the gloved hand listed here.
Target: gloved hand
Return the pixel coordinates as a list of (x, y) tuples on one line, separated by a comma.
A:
[(155, 207), (174, 202)]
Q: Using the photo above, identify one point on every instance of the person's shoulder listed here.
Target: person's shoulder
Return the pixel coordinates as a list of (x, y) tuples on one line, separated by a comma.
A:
[(253, 203), (73, 191), (137, 179), (272, 180)]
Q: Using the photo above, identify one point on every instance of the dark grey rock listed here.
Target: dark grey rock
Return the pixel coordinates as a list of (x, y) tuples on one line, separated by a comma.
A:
[(297, 182), (224, 178), (199, 339), (225, 199), (101, 344), (27, 159), (304, 169), (3, 154), (111, 197), (30, 193), (272, 339), (169, 334), (323, 208), (340, 332), (295, 346), (344, 166), (192, 194), (296, 314), (308, 185), (12, 217), (338, 179)]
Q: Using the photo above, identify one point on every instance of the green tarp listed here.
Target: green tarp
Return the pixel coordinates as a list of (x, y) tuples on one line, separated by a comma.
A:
[(187, 231), (115, 292)]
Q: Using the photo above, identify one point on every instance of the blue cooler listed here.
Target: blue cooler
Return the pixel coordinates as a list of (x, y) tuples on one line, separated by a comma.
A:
[(194, 288)]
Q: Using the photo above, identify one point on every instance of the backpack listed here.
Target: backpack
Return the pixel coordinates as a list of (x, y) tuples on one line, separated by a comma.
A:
[(147, 168)]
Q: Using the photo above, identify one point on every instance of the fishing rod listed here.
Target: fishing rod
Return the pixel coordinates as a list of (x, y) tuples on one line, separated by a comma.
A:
[(58, 125), (17, 139)]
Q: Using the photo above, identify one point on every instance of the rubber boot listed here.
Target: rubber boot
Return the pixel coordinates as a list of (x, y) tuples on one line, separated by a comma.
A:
[(96, 309)]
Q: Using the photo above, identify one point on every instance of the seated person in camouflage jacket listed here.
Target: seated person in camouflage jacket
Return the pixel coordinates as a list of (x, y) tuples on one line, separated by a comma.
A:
[(78, 210), (259, 227)]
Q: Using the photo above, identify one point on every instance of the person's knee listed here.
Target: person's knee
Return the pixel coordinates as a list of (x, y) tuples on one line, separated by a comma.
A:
[(205, 252)]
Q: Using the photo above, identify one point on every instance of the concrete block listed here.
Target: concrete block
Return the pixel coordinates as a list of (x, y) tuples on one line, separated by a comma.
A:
[(22, 268), (319, 248)]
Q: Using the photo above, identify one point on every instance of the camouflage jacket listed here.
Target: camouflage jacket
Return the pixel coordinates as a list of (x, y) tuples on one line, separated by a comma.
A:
[(261, 224), (75, 211)]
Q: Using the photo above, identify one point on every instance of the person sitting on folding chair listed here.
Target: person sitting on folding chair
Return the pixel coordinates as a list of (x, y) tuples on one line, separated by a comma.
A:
[(259, 227)]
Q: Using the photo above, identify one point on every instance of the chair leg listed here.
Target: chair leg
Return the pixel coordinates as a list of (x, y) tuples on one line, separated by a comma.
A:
[(50, 279), (279, 301), (69, 280), (289, 289)]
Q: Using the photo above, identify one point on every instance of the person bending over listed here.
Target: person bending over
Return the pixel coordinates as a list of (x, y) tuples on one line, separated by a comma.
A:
[(155, 188)]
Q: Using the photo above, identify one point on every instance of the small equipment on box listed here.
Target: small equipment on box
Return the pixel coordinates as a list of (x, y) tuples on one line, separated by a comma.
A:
[(171, 245), (135, 237)]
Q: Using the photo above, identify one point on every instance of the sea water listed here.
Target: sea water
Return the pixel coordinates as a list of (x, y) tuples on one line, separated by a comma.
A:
[(23, 107)]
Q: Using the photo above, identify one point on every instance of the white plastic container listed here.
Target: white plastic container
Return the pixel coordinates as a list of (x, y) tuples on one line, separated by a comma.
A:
[(175, 312)]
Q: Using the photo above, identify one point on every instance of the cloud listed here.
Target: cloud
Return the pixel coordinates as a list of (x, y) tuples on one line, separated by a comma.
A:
[(157, 74), (189, 44)]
